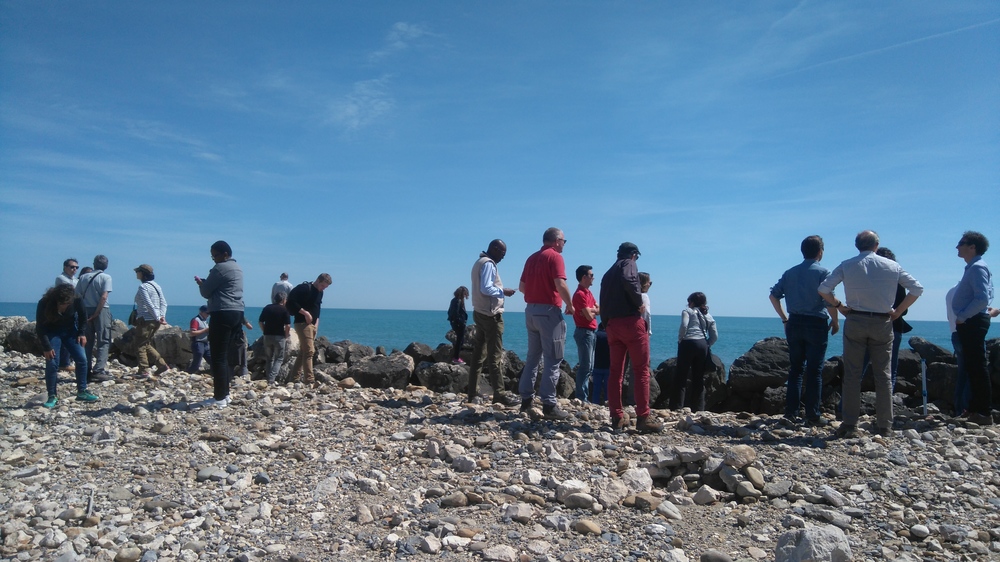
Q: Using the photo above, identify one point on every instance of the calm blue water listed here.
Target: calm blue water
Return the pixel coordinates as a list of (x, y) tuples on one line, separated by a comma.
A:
[(395, 329)]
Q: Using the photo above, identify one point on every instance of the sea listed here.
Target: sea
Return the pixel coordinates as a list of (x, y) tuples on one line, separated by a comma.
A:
[(396, 329)]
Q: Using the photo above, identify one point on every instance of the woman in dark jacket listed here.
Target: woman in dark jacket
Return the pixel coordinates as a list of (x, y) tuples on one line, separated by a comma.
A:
[(458, 317), (60, 322)]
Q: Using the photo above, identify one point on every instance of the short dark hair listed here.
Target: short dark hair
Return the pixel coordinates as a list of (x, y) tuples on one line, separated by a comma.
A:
[(581, 272), (68, 260), (279, 297), (973, 238), (100, 262), (866, 241), (324, 278), (885, 253), (284, 276), (222, 247), (811, 247), (643, 278)]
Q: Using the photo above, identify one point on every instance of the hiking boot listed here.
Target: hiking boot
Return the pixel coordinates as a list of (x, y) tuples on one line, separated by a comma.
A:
[(68, 368), (788, 421), (51, 402), (525, 405), (506, 398), (553, 412), (847, 431), (160, 369), (99, 377), (644, 424), (84, 396), (619, 425), (884, 432)]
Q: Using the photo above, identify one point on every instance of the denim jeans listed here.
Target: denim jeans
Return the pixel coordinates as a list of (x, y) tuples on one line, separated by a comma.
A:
[(274, 354), (546, 338), (807, 340), (628, 336), (963, 392), (972, 334), (220, 339), (585, 340), (599, 386), (59, 341), (199, 350)]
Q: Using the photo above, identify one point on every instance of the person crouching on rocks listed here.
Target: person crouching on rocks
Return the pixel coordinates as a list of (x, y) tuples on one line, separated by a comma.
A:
[(61, 322), (150, 314)]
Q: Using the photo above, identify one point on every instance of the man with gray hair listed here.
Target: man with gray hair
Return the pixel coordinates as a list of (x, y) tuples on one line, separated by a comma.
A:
[(93, 288), (870, 284)]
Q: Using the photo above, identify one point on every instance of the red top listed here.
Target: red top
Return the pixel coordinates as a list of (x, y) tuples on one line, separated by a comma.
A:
[(582, 299), (539, 275)]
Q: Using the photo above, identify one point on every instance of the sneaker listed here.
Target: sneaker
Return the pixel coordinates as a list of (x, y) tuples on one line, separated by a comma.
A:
[(554, 412), (526, 405), (847, 431), (458, 361), (84, 396), (51, 402), (817, 422), (644, 424), (788, 421), (99, 377), (506, 398)]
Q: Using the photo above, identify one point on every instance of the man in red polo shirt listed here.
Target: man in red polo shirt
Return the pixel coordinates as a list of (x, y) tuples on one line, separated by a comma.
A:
[(543, 283)]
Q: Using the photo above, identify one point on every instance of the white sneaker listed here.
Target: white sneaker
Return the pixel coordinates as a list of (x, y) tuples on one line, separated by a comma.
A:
[(224, 403)]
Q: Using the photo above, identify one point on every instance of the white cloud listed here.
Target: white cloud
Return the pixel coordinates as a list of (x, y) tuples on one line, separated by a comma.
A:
[(399, 38), (368, 101)]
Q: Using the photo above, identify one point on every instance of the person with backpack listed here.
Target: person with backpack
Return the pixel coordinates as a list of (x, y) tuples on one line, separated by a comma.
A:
[(150, 314)]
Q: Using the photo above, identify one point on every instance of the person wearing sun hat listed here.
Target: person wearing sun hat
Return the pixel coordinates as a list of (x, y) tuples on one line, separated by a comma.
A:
[(150, 314)]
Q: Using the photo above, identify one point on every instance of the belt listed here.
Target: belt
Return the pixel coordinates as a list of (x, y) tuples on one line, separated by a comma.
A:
[(872, 314)]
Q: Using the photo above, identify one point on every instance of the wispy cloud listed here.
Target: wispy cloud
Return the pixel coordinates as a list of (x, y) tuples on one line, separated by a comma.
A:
[(368, 101), (401, 37)]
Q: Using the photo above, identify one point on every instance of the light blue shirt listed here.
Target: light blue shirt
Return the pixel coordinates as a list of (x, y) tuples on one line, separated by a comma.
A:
[(799, 286), (487, 281), (870, 282), (974, 292)]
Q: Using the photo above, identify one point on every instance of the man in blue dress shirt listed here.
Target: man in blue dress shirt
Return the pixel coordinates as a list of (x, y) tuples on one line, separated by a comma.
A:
[(806, 329), (970, 304), (869, 292)]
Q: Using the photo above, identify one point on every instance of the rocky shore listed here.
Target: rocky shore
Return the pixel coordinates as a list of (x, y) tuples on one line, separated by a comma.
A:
[(352, 472)]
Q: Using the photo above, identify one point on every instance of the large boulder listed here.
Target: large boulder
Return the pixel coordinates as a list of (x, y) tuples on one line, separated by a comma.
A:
[(382, 371), (764, 366), (23, 339), (9, 324), (930, 352), (420, 352), (172, 343), (716, 390), (447, 377)]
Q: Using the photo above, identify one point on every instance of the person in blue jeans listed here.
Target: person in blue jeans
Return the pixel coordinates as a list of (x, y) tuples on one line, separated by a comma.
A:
[(61, 322), (585, 311), (806, 329)]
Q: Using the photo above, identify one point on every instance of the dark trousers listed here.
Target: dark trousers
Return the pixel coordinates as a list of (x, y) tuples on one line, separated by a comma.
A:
[(459, 328), (691, 359), (221, 331), (487, 352), (199, 350), (972, 334), (807, 340)]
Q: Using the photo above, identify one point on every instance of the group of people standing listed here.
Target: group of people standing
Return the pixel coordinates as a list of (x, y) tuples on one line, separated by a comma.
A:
[(74, 322), (878, 291), (604, 347)]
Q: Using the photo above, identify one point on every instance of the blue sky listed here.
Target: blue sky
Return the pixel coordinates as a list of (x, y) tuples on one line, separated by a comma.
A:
[(387, 142)]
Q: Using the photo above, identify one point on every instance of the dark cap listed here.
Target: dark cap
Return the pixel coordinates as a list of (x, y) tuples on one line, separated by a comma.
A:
[(145, 268), (202, 308), (627, 249)]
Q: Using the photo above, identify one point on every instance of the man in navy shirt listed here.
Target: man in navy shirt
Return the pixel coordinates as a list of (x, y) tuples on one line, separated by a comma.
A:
[(806, 329)]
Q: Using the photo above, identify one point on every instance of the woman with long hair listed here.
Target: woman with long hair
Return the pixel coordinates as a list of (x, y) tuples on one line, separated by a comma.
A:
[(694, 342), (60, 322), (458, 317)]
